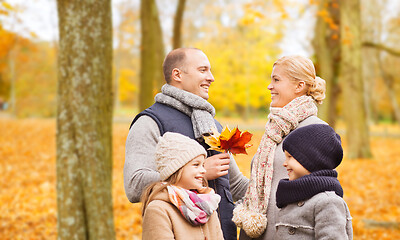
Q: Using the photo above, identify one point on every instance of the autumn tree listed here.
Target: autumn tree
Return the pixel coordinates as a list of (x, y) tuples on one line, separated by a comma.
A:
[(8, 40), (357, 132), (84, 121), (151, 53), (327, 55), (177, 37), (381, 55), (241, 55)]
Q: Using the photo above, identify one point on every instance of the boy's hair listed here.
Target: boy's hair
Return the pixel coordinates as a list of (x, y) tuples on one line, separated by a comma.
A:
[(316, 147)]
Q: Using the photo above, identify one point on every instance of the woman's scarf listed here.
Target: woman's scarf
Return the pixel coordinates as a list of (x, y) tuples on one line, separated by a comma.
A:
[(195, 207), (198, 109), (307, 186), (250, 215)]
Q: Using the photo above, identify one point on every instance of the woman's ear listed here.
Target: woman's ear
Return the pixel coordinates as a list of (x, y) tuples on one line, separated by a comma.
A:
[(176, 75), (301, 87)]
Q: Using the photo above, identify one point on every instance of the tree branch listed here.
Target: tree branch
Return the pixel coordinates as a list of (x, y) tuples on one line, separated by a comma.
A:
[(382, 47)]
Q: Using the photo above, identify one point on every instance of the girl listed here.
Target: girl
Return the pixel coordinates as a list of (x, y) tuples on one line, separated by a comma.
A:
[(181, 206)]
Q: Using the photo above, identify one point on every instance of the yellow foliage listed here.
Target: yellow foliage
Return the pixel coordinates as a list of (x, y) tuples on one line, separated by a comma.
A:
[(7, 6), (28, 178), (127, 88), (241, 63)]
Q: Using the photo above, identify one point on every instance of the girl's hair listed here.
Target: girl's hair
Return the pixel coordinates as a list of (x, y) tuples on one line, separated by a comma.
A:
[(149, 192), (302, 69)]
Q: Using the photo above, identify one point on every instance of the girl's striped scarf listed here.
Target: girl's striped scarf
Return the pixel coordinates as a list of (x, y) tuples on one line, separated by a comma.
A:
[(195, 207), (250, 215)]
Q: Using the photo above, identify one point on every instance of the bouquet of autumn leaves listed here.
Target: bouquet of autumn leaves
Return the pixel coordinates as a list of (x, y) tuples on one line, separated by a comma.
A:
[(233, 141)]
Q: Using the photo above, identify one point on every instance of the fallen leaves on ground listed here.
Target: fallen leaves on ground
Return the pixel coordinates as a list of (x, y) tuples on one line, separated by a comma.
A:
[(28, 178)]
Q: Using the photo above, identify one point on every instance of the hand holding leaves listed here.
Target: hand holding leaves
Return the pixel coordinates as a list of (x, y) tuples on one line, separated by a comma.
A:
[(233, 141)]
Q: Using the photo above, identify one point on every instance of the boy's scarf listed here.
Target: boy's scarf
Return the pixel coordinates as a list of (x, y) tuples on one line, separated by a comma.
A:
[(250, 215), (199, 110), (307, 186), (196, 208)]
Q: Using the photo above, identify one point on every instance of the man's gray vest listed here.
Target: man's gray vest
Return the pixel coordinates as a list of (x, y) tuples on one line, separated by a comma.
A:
[(169, 119)]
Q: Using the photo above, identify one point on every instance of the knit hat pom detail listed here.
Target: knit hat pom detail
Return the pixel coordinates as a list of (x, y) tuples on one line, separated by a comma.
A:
[(253, 223)]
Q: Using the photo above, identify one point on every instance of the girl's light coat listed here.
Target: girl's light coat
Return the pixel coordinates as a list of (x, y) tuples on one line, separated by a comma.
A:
[(163, 220)]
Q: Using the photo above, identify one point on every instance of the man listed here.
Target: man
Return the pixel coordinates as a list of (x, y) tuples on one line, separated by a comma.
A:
[(182, 107)]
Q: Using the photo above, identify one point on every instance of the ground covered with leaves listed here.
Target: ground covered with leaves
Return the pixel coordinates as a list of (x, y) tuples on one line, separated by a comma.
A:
[(28, 178)]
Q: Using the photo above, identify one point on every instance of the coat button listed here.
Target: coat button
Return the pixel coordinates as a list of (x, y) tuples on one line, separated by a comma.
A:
[(300, 204), (292, 231)]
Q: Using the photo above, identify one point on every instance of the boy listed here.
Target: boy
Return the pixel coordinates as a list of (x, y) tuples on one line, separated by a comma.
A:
[(311, 200)]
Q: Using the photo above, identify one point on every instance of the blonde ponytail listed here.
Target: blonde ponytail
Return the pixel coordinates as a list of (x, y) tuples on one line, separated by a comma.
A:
[(300, 68), (317, 90)]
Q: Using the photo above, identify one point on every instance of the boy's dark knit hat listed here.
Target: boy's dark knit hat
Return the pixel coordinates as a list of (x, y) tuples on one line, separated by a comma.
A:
[(316, 147)]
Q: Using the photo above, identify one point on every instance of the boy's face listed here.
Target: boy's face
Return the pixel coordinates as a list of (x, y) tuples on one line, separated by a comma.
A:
[(294, 168), (193, 174)]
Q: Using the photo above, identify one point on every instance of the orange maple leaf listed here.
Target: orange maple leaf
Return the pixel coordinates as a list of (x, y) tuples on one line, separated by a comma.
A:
[(233, 141)]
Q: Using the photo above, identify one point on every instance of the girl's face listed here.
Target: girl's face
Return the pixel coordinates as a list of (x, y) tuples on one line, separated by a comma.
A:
[(193, 174), (294, 168), (283, 89)]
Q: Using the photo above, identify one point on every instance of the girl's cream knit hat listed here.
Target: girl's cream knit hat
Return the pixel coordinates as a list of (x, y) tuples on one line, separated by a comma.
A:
[(173, 151)]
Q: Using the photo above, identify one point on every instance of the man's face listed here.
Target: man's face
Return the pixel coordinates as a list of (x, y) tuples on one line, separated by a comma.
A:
[(196, 76)]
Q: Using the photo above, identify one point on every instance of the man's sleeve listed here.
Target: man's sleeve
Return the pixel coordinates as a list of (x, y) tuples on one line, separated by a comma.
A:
[(140, 166), (237, 181)]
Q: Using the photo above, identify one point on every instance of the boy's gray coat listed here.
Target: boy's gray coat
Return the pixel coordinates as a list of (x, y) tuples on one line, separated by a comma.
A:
[(324, 216)]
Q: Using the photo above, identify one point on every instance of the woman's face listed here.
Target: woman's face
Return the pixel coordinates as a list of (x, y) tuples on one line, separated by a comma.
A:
[(283, 89)]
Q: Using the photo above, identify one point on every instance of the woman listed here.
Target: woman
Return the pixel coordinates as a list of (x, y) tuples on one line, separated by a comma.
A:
[(295, 89)]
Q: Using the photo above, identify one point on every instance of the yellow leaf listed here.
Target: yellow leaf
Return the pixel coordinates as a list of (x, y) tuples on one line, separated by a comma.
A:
[(229, 141), (213, 141), (7, 6)]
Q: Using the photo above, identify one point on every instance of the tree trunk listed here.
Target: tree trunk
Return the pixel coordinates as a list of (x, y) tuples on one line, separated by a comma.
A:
[(84, 121), (152, 53), (177, 38), (327, 53), (357, 133), (388, 80), (13, 85)]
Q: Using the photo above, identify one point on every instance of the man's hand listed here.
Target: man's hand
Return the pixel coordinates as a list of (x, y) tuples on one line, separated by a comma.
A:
[(217, 166)]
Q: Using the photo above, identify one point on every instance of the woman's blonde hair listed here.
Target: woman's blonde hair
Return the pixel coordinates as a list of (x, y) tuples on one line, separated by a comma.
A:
[(150, 191), (302, 69)]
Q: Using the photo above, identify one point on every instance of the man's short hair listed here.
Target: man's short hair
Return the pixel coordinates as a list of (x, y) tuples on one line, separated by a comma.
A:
[(174, 59)]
